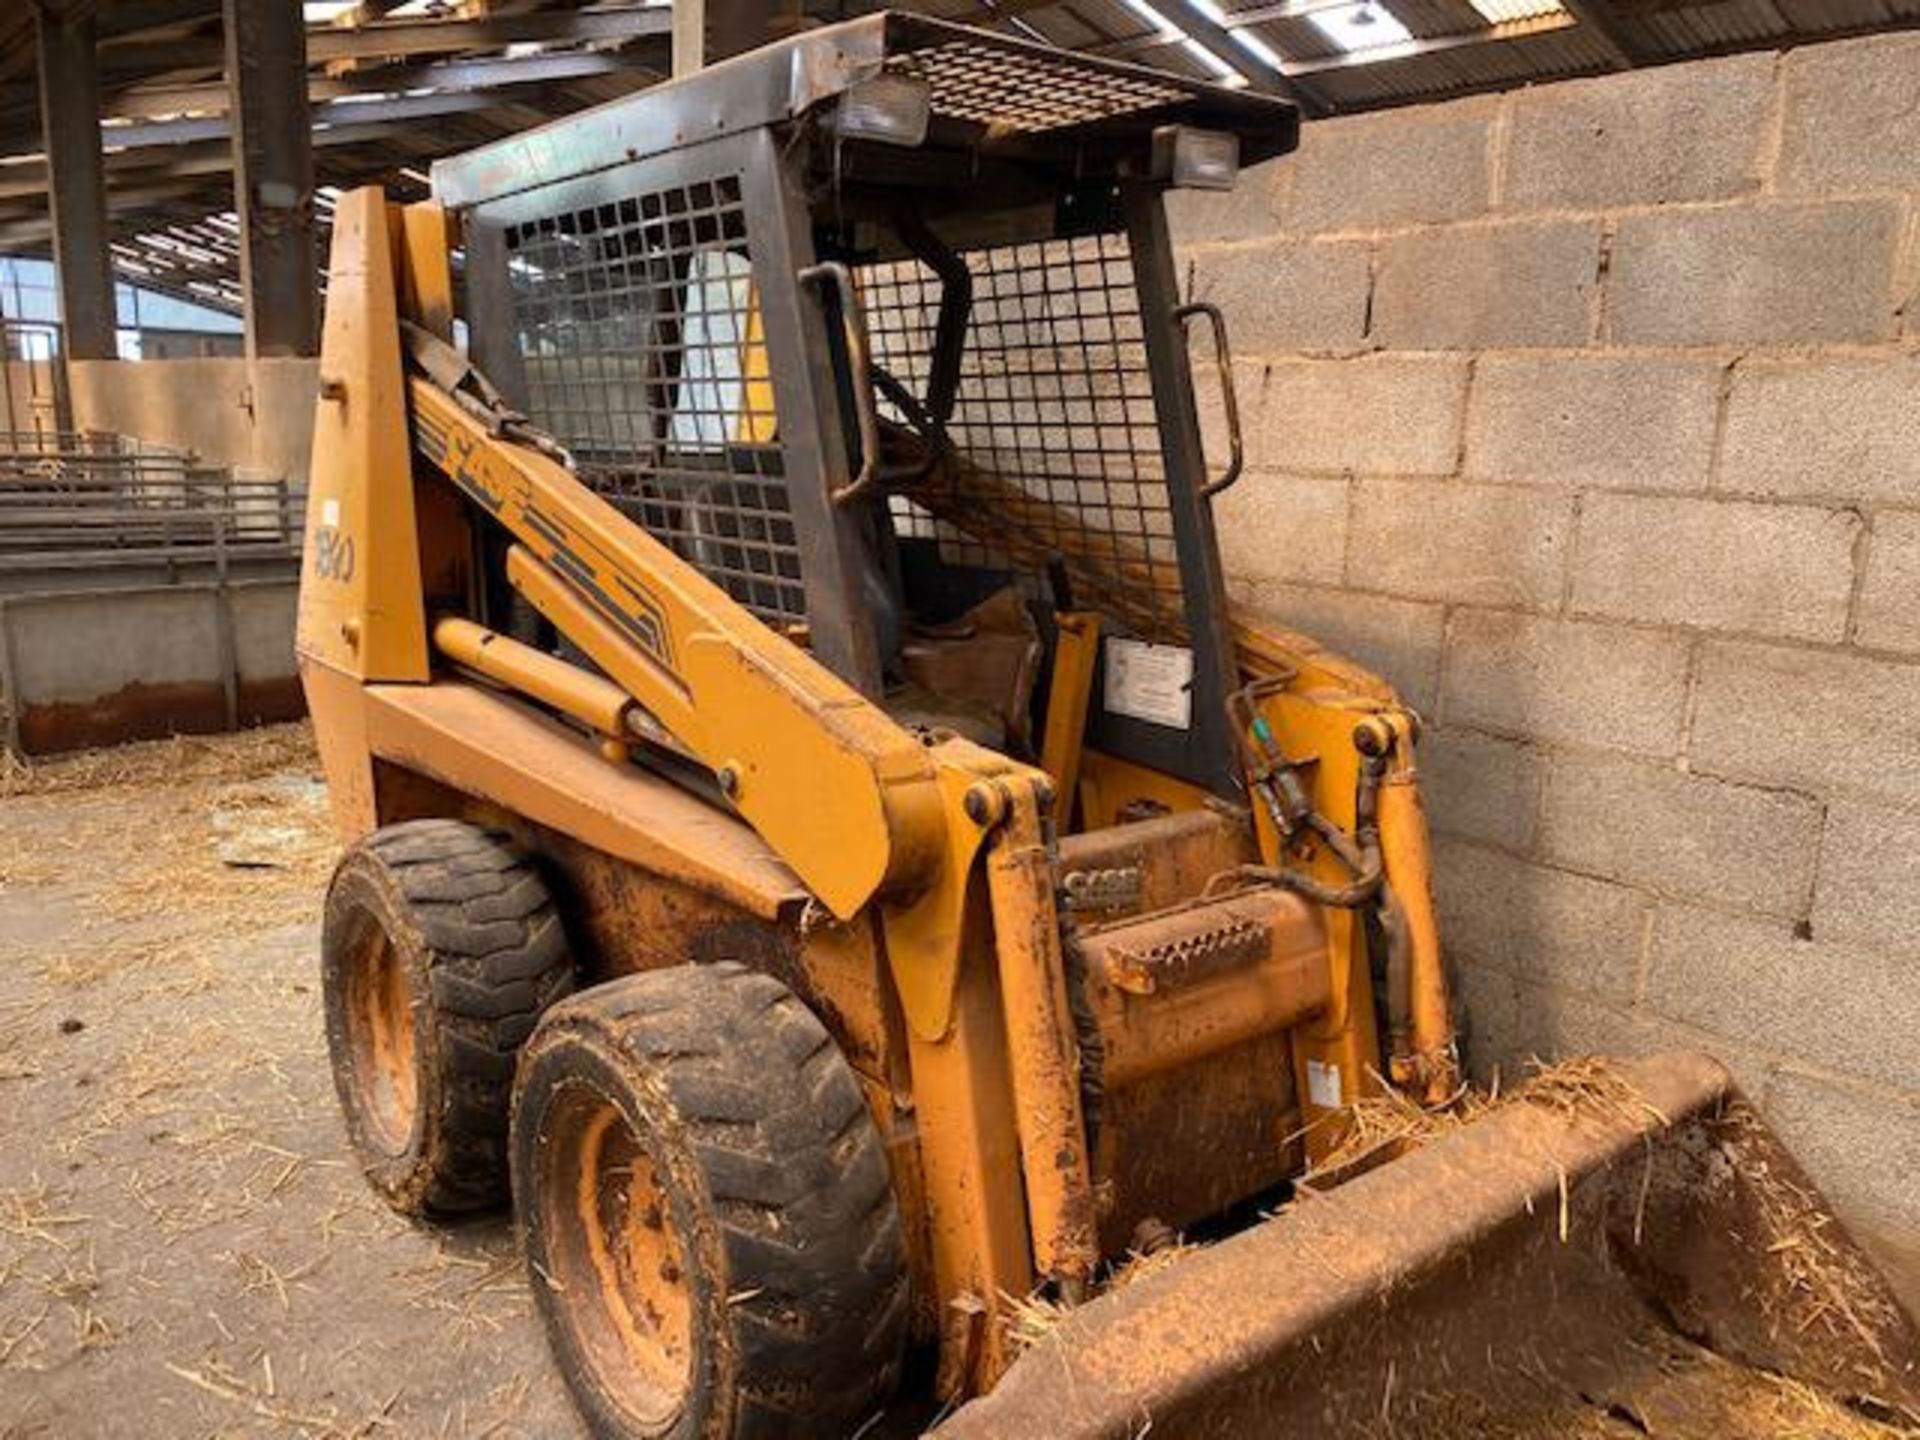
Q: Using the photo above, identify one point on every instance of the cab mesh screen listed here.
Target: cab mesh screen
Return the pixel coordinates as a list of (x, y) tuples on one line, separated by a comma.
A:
[(640, 335), (1055, 446), (1015, 89)]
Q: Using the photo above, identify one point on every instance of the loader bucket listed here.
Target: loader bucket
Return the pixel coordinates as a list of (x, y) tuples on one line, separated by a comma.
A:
[(1545, 1271)]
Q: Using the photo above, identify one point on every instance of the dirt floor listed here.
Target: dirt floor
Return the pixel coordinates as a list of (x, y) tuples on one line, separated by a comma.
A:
[(186, 1248)]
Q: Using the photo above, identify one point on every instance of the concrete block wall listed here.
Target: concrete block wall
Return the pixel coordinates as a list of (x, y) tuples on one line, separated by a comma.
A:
[(132, 662), (222, 408), (1590, 415)]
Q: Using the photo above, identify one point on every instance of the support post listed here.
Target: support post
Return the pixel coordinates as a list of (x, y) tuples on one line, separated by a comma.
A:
[(704, 32), (273, 174), (689, 35), (76, 178)]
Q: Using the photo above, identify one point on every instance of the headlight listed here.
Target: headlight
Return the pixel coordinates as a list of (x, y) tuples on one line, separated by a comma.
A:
[(893, 109), (1196, 159)]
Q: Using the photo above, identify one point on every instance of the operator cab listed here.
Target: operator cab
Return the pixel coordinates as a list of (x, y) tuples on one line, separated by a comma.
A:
[(880, 329)]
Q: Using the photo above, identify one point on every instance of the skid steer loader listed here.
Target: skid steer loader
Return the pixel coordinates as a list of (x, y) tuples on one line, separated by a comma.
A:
[(822, 842)]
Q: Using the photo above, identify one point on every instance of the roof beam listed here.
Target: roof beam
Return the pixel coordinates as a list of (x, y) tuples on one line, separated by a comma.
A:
[(365, 13), (336, 122), (1217, 40), (27, 179), (125, 19), (468, 75), (37, 228), (1286, 10), (398, 39), (473, 75), (1434, 44), (985, 10)]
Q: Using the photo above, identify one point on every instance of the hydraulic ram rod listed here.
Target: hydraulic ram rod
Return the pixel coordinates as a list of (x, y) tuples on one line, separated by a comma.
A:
[(587, 697)]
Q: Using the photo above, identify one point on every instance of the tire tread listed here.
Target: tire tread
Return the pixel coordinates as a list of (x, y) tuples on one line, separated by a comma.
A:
[(496, 958), (796, 1182)]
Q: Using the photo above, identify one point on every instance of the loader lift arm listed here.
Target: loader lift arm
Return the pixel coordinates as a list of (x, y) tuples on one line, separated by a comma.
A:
[(748, 704)]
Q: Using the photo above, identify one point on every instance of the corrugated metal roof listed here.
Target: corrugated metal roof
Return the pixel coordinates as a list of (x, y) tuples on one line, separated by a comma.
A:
[(1452, 46), (1494, 65), (1504, 11)]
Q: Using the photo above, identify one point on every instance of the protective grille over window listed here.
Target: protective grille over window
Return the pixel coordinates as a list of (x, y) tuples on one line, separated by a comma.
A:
[(641, 338), (1015, 90), (1057, 451)]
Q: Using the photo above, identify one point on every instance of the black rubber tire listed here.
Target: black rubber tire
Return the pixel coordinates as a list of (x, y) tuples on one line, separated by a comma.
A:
[(774, 1188), (455, 928)]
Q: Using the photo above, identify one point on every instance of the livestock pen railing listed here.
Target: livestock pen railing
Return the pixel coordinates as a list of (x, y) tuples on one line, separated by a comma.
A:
[(142, 592), (76, 500)]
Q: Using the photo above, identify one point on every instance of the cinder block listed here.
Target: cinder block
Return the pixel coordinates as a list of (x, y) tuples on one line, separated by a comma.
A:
[(1401, 167), (1718, 564), (1836, 427), (1861, 1147), (1847, 1009), (1906, 276), (1755, 274), (1680, 834), (1889, 617), (1627, 422), (1676, 132), (1481, 787), (1246, 212), (1515, 1026), (263, 621), (81, 647), (1482, 287), (1869, 889), (1397, 639), (1289, 296), (1283, 527), (1442, 540), (1561, 1025), (1852, 117), (1378, 414), (1538, 924), (1650, 1034), (1806, 718), (1249, 378), (1495, 1040), (1606, 685)]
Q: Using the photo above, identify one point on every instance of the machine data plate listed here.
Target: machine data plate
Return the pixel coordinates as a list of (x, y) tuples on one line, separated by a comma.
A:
[(1150, 682)]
